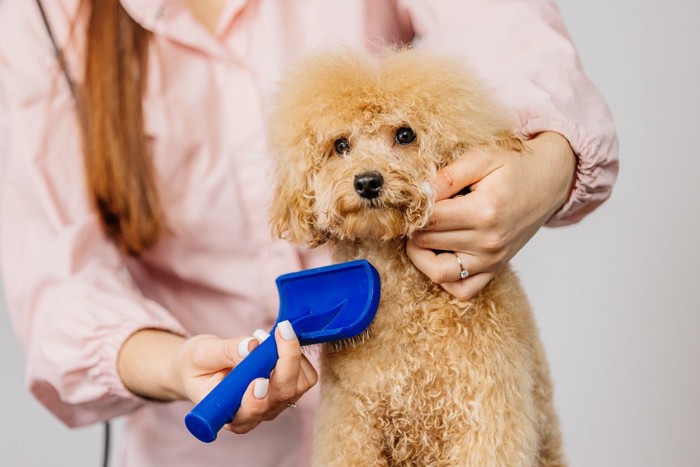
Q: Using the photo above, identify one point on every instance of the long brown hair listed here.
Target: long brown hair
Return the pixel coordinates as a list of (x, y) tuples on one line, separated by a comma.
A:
[(118, 165)]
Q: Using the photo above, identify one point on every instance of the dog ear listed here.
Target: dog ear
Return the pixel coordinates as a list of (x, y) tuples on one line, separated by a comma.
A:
[(292, 213)]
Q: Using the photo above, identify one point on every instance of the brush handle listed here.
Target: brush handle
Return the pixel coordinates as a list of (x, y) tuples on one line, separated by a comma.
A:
[(220, 406)]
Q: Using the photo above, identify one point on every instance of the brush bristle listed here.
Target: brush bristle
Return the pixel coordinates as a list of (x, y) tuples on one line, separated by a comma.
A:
[(346, 344)]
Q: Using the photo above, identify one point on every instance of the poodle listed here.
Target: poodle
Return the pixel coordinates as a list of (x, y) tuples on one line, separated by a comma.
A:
[(436, 381)]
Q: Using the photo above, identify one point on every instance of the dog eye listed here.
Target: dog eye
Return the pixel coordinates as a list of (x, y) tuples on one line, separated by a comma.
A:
[(342, 146), (405, 135)]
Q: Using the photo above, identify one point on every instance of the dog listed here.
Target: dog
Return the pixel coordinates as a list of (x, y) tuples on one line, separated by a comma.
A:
[(436, 381)]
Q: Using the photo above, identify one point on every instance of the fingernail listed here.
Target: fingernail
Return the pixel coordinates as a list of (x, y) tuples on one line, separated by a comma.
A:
[(260, 388), (261, 335), (243, 351), (287, 331)]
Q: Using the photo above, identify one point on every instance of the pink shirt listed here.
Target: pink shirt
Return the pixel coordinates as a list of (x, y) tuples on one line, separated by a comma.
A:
[(74, 299)]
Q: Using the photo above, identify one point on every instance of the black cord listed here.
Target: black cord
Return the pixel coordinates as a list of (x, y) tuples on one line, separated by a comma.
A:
[(57, 51), (105, 451)]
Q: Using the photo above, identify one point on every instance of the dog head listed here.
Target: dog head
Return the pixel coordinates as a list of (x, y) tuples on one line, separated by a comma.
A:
[(360, 139)]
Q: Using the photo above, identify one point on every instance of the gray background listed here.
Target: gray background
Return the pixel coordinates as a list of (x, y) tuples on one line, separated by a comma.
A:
[(616, 296)]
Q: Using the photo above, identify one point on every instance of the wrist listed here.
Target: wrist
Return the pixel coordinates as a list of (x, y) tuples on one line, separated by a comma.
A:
[(147, 364), (558, 162)]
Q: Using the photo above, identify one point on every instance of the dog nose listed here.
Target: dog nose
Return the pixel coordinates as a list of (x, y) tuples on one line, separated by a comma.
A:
[(369, 184)]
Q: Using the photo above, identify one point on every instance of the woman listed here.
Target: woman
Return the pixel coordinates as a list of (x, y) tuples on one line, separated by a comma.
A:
[(134, 227)]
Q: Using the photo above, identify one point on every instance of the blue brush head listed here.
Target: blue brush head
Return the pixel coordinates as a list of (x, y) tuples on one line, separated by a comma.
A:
[(330, 303)]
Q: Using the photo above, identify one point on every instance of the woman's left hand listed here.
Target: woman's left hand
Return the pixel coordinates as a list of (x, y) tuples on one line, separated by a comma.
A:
[(512, 195)]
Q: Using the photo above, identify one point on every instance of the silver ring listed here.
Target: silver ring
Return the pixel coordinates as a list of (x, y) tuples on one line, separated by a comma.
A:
[(291, 405), (463, 273)]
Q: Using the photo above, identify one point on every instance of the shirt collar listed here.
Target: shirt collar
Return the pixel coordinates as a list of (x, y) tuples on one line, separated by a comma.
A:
[(147, 12), (171, 18)]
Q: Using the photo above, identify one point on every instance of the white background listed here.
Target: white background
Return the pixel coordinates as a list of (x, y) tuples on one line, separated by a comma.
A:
[(617, 296)]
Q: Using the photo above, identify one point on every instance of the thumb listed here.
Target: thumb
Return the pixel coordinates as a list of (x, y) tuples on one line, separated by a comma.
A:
[(215, 353), (466, 170)]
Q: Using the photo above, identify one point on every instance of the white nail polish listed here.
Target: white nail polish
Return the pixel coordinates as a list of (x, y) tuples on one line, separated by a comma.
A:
[(287, 331), (243, 351), (260, 388), (261, 335)]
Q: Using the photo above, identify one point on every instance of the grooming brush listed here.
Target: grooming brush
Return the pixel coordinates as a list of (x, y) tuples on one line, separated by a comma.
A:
[(331, 303)]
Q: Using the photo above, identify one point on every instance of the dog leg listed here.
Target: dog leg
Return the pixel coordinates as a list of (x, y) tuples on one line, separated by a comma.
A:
[(342, 436), (550, 454), (501, 419), (504, 431)]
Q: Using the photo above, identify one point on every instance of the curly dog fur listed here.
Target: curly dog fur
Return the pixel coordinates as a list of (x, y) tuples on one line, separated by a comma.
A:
[(438, 382)]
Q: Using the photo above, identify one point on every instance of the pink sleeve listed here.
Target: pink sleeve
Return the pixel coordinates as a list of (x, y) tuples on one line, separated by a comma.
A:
[(70, 298), (523, 51)]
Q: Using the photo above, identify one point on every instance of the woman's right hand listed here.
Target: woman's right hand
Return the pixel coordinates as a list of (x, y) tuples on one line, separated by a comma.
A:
[(162, 365), (203, 361)]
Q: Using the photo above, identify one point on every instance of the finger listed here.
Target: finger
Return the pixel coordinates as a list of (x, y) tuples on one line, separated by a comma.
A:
[(464, 171), (245, 346), (213, 353), (307, 379), (468, 288), (452, 240), (310, 374), (261, 335), (441, 268), (284, 379), (474, 211), (489, 251), (197, 393), (254, 404), (444, 269), (275, 412), (277, 409), (452, 214)]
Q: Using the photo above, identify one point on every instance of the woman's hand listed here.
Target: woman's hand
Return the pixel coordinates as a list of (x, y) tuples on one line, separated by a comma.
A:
[(164, 366), (205, 360), (512, 196)]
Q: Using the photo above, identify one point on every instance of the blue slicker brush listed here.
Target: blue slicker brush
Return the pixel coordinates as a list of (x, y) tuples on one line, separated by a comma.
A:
[(323, 304)]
